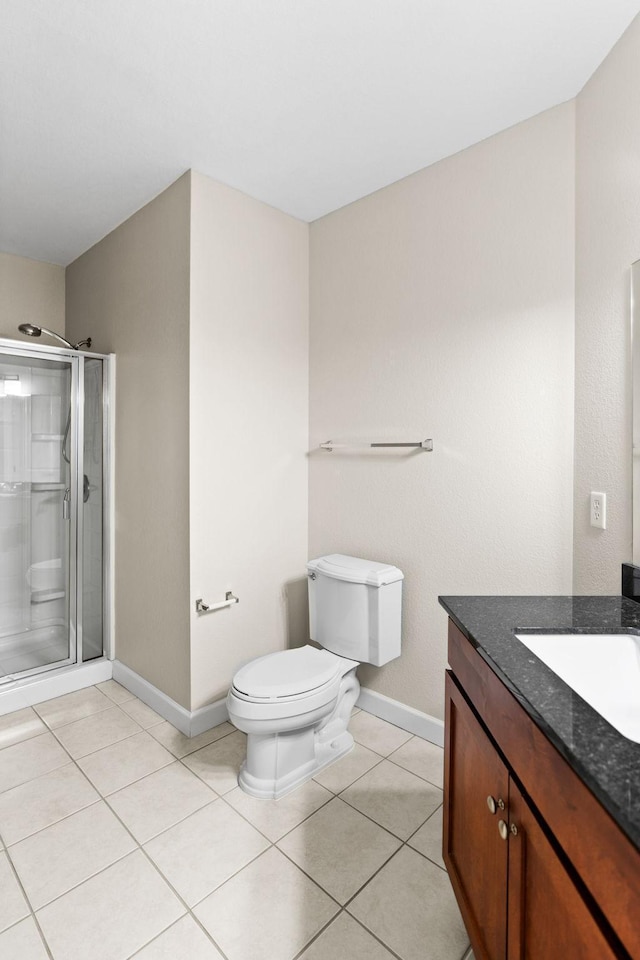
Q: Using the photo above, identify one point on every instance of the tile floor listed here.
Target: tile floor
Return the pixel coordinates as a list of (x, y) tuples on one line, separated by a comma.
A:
[(121, 838)]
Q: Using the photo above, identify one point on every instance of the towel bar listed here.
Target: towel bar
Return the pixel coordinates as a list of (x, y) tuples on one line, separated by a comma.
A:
[(330, 445)]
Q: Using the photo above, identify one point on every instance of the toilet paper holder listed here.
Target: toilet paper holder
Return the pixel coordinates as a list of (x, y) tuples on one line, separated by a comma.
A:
[(229, 600)]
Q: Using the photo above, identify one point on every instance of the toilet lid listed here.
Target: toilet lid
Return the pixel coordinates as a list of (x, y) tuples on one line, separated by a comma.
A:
[(287, 673)]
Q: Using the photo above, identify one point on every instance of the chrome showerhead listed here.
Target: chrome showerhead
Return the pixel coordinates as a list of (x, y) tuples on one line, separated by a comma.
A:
[(31, 330)]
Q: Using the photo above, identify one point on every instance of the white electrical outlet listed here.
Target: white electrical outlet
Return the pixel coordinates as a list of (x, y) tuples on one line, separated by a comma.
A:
[(599, 510)]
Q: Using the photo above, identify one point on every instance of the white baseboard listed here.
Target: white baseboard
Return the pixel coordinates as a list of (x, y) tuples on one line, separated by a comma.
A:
[(407, 718), (37, 689), (191, 724), (188, 723)]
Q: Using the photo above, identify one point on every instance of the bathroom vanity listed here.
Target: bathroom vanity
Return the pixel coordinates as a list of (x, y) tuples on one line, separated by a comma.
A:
[(542, 795)]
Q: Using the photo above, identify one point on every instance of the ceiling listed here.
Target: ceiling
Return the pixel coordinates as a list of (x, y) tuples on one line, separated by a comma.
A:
[(304, 104)]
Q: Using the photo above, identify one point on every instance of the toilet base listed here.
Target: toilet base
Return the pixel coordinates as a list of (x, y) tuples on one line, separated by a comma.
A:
[(270, 753)]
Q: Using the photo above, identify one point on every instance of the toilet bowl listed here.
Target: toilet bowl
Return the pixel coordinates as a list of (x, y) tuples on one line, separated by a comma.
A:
[(294, 706)]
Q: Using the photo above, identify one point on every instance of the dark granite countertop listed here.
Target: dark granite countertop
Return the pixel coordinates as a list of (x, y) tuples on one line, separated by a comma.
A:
[(607, 762)]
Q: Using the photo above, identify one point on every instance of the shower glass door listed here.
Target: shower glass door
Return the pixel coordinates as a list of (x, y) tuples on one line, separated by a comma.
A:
[(37, 523)]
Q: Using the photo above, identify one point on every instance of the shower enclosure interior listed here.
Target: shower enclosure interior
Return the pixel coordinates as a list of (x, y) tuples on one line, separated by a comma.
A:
[(53, 459)]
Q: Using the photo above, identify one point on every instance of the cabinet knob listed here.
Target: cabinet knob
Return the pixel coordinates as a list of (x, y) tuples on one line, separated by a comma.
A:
[(495, 804), (504, 829)]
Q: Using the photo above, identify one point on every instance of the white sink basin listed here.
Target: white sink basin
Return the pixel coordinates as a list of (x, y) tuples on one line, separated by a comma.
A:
[(604, 669)]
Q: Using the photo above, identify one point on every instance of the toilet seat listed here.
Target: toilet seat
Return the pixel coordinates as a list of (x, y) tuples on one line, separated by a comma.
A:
[(290, 674), (289, 685)]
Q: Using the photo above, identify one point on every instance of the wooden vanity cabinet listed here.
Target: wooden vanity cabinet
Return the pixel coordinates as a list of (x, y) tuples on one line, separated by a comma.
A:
[(474, 852), (520, 895), (547, 916)]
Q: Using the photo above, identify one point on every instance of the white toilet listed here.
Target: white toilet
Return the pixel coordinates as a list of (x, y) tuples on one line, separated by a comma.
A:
[(295, 705)]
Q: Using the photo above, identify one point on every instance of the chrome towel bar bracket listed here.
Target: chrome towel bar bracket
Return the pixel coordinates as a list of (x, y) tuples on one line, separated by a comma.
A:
[(331, 445), (228, 601)]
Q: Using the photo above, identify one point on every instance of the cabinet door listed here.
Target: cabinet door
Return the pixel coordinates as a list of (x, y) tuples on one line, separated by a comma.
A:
[(473, 849), (548, 918)]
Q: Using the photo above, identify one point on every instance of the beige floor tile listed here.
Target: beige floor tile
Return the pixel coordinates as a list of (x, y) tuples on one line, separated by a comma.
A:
[(159, 801), (339, 848), (20, 725), (37, 804), (141, 713), (115, 691), (184, 939), (410, 906), (111, 915), (424, 759), (396, 799), (114, 767), (73, 706), (181, 746), (85, 736), (23, 942), (29, 759), (13, 906), (428, 839), (344, 937), (343, 772), (219, 763), (203, 851), (58, 858), (274, 818), (377, 734), (268, 911)]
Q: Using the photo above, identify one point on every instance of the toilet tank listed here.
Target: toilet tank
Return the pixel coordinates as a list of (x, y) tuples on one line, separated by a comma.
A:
[(355, 607)]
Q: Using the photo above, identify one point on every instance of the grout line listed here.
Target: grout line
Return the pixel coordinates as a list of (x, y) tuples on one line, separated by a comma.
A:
[(175, 923), (317, 935), (95, 715), (107, 706), (375, 874), (419, 775), (375, 937), (28, 902), (105, 694), (388, 830), (31, 736), (55, 822)]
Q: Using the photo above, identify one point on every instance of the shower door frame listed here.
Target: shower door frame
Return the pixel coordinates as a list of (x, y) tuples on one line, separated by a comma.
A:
[(76, 481)]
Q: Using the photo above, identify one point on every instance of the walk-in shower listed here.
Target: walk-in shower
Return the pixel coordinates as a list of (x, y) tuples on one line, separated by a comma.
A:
[(54, 461)]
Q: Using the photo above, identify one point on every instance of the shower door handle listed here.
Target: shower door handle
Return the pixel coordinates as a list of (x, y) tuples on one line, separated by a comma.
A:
[(66, 504)]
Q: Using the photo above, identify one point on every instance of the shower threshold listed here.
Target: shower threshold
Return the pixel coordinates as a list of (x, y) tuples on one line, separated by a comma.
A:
[(33, 650), (37, 687)]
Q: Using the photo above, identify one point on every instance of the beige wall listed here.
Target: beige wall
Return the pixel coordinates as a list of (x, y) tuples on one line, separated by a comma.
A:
[(607, 242), (30, 292), (442, 306), (131, 294), (248, 430)]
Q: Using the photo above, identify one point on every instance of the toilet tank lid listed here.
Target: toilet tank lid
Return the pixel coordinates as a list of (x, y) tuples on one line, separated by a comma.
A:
[(355, 570)]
